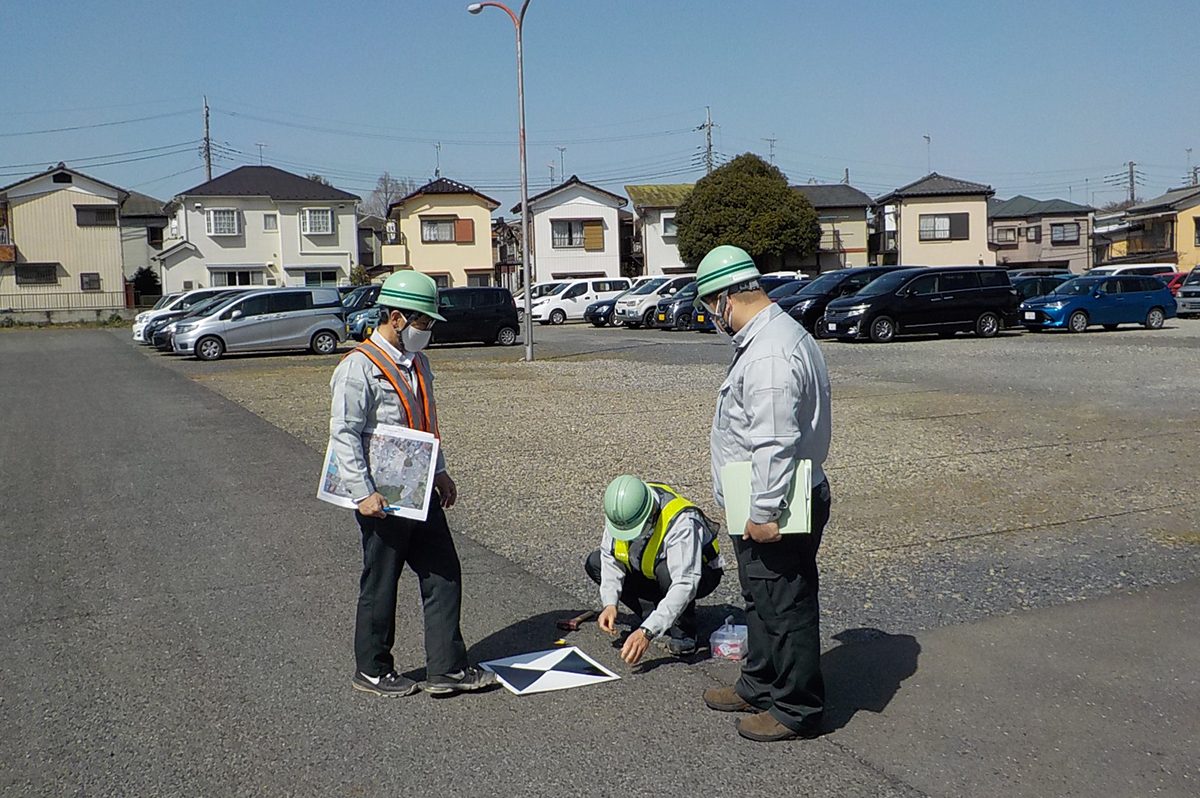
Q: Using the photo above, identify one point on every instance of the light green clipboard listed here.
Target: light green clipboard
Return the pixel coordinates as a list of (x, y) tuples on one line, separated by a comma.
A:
[(735, 484)]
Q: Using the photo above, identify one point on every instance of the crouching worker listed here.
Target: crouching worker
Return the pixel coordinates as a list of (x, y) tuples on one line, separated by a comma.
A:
[(658, 555)]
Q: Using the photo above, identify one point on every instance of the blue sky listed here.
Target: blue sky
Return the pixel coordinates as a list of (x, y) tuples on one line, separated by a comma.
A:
[(1043, 99)]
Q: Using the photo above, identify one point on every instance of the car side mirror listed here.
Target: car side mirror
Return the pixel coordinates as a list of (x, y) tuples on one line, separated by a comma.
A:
[(235, 315), (1098, 293)]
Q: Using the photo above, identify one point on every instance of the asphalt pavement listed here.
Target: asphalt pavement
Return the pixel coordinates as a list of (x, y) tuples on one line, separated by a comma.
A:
[(177, 611)]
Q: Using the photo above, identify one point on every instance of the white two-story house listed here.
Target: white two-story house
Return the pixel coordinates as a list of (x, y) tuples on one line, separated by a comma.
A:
[(575, 231), (259, 225), (654, 208)]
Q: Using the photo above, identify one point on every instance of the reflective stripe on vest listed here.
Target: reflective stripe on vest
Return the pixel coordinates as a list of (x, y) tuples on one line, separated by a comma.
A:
[(650, 545), (420, 410)]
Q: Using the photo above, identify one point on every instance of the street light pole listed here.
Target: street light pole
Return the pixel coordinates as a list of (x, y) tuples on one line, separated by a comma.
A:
[(518, 20)]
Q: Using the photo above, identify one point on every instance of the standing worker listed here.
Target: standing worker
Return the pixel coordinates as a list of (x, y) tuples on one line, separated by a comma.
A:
[(658, 555), (387, 380), (772, 410)]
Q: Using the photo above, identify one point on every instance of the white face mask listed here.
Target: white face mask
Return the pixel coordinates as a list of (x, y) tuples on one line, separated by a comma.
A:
[(414, 340), (718, 315)]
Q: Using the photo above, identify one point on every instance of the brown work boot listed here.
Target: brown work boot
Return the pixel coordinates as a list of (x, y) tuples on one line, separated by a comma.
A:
[(763, 728), (726, 699)]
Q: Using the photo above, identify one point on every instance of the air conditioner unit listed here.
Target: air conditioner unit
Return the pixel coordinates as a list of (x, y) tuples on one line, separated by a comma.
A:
[(271, 281)]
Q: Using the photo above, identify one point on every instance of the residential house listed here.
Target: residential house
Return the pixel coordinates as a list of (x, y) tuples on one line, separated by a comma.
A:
[(443, 229), (60, 247), (654, 208), (143, 227), (372, 232), (1054, 233), (506, 251), (934, 221), (575, 231), (842, 212), (1165, 229), (259, 225)]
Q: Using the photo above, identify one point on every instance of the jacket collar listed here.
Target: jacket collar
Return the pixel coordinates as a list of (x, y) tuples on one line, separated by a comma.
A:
[(398, 356)]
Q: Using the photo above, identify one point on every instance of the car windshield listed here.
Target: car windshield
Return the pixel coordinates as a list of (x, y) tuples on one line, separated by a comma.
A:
[(545, 289), (1077, 286), (1193, 278), (354, 297), (165, 300), (787, 289), (825, 284), (885, 284), (649, 286), (200, 308)]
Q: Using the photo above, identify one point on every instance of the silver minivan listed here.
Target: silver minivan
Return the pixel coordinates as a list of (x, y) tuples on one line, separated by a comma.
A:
[(268, 319)]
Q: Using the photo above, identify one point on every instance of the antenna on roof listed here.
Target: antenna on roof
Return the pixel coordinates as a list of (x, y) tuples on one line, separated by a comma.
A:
[(260, 146)]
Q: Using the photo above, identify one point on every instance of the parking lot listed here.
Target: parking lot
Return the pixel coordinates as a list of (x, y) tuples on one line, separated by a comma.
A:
[(979, 476)]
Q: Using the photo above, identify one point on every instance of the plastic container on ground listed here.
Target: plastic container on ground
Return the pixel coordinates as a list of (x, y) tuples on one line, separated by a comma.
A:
[(730, 641)]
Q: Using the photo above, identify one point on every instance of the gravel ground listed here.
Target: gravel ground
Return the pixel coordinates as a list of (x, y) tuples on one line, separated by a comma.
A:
[(970, 477)]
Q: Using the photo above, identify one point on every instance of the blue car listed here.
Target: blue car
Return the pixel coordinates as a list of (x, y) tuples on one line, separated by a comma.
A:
[(361, 323), (1109, 301)]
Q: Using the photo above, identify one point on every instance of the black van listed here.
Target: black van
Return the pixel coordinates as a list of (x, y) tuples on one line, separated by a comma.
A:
[(942, 300), (481, 314), (808, 305)]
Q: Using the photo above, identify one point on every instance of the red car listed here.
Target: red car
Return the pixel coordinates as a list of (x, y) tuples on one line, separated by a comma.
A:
[(1173, 281)]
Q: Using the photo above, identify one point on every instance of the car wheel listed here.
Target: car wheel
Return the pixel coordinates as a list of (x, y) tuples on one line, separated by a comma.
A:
[(648, 318), (987, 325), (557, 317), (507, 336), (1111, 327), (613, 321), (1155, 319), (323, 343), (883, 329), (1078, 322), (683, 321), (209, 348)]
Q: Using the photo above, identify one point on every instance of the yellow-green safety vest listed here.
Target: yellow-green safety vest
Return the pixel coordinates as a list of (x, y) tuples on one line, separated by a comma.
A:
[(651, 544)]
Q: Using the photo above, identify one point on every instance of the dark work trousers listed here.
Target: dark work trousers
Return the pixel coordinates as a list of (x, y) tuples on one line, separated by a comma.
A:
[(782, 669), (641, 595), (426, 546)]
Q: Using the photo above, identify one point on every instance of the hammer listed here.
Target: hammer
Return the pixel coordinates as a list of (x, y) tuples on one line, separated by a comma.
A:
[(573, 624)]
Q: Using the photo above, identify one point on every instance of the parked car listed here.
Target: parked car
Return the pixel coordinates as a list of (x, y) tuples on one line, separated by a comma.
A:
[(1029, 287), (572, 300), (1013, 274), (538, 291), (269, 319), (185, 301), (1188, 300), (483, 314), (601, 313), (807, 305), (1174, 281), (638, 306), (675, 311), (769, 282), (1109, 301), (160, 331), (1143, 269), (942, 300), (364, 296)]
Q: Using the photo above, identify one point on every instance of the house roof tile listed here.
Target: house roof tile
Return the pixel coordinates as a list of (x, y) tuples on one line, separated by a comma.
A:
[(833, 195), (267, 181), (573, 180), (138, 204), (444, 185), (935, 185), (1175, 199), (658, 195), (61, 167), (1020, 207)]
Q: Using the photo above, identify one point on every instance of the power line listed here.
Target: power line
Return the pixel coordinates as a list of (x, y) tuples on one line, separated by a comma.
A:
[(114, 163), (80, 160), (92, 126)]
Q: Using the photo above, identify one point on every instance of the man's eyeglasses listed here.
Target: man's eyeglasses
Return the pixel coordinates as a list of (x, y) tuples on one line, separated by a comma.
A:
[(418, 321)]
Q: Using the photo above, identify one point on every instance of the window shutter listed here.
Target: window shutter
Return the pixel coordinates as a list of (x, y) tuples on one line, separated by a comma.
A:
[(960, 226), (593, 235), (464, 231)]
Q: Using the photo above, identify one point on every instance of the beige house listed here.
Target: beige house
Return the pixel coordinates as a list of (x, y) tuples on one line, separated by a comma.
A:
[(1024, 232), (60, 247), (842, 212), (935, 221), (443, 229)]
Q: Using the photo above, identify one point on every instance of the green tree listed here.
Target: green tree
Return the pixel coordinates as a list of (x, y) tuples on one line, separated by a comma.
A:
[(359, 276), (146, 282), (747, 203)]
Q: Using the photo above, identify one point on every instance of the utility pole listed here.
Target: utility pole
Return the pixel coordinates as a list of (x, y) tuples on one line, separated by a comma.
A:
[(207, 143), (562, 163), (928, 153), (437, 169), (846, 176), (260, 146), (1191, 174), (771, 146), (551, 165), (708, 150), (1132, 183)]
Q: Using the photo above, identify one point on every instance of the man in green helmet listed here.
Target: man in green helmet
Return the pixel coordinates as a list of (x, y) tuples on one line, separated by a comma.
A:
[(659, 554), (387, 380), (773, 411)]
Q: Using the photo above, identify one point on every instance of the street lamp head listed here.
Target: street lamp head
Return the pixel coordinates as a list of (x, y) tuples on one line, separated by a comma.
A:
[(474, 8)]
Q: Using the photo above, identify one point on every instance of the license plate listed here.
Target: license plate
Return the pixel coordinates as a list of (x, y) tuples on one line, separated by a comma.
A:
[(367, 332), (662, 316), (832, 326), (700, 318), (1030, 315)]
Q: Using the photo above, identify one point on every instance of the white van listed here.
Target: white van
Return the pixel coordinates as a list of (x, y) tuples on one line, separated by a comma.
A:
[(570, 299), (1141, 269), (637, 307), (538, 291)]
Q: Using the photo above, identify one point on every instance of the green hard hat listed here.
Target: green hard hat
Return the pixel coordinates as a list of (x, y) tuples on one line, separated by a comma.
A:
[(723, 267), (628, 502), (409, 290)]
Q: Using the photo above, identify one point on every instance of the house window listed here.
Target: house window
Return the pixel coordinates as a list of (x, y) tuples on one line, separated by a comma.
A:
[(154, 236), (61, 177), (441, 280), (567, 233), (322, 277), (1195, 221), (270, 222), (237, 277), (1033, 234), (437, 231), (89, 281), (479, 280), (668, 225), (36, 273), (1006, 235), (943, 226), (1067, 233), (174, 227), (188, 285), (95, 216), (222, 222), (316, 221)]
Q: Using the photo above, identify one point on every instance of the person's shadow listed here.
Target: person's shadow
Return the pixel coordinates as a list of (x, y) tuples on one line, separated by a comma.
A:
[(865, 672)]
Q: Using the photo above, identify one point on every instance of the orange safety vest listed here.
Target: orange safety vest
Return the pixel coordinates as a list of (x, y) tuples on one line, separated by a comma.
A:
[(419, 407)]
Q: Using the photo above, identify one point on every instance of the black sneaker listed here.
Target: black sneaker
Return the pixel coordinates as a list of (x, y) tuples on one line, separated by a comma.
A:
[(389, 685), (682, 646), (468, 680)]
